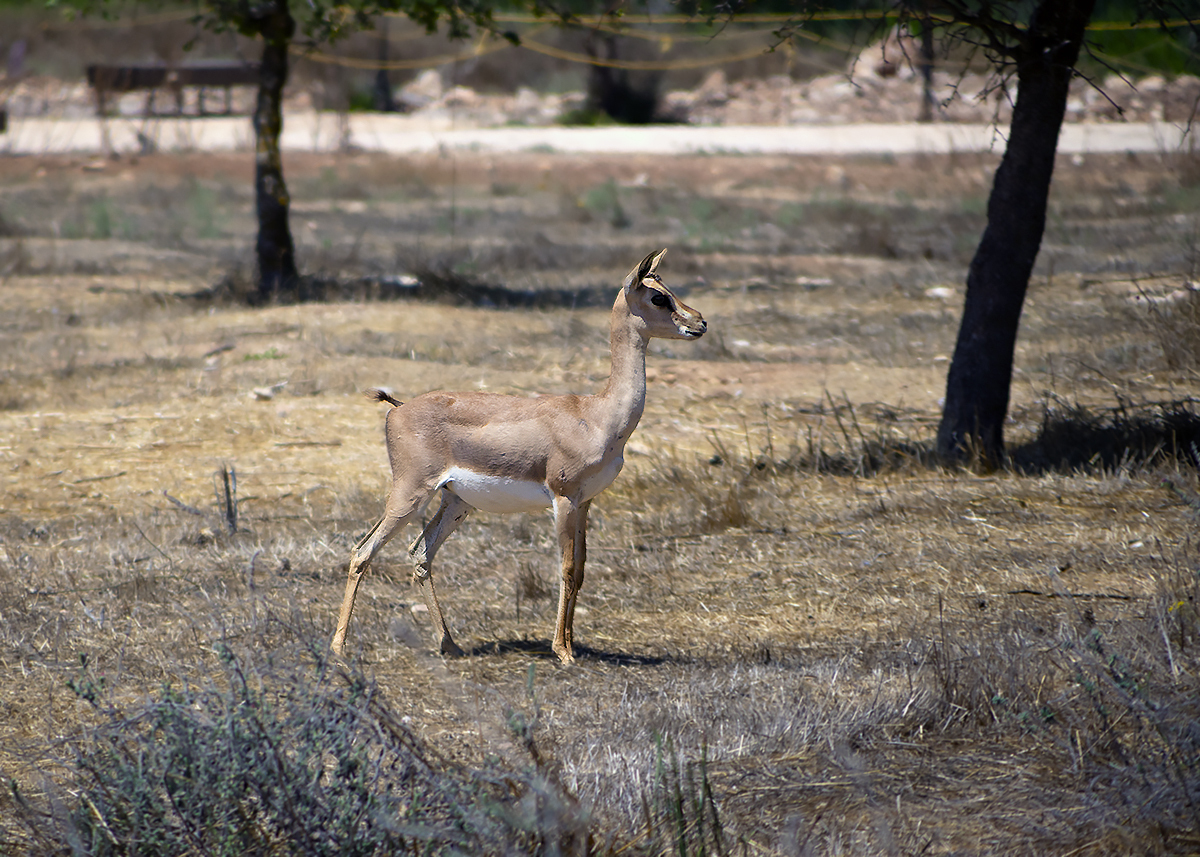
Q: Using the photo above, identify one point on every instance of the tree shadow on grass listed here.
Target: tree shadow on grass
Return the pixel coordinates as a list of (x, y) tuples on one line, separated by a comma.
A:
[(431, 284), (1072, 438), (1075, 438), (541, 649)]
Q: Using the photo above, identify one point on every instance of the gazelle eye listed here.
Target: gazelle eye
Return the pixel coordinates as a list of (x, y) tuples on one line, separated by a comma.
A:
[(659, 299)]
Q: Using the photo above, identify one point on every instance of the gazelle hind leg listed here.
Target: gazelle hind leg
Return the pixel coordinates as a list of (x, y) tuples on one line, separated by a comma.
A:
[(399, 510), (450, 514)]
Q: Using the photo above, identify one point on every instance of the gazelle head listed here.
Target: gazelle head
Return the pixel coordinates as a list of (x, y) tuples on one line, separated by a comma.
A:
[(655, 306)]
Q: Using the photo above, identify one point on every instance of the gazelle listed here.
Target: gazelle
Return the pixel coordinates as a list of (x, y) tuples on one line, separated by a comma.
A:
[(511, 454)]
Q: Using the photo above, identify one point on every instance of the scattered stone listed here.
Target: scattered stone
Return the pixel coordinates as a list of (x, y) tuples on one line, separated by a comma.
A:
[(264, 394), (883, 84), (424, 90)]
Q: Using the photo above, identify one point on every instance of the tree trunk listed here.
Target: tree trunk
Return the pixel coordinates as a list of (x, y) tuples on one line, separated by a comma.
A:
[(977, 388), (926, 114), (385, 101), (615, 92), (602, 82), (276, 255)]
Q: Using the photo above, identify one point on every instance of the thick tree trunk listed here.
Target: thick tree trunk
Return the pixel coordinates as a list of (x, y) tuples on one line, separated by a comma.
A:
[(602, 81), (276, 255), (623, 97), (977, 388)]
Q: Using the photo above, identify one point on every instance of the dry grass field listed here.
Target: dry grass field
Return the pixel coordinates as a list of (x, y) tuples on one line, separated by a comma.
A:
[(798, 634)]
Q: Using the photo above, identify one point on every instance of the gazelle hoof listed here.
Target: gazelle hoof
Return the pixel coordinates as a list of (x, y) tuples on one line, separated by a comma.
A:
[(450, 649)]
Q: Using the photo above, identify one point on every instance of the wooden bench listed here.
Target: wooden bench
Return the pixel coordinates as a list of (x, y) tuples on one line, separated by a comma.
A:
[(205, 74)]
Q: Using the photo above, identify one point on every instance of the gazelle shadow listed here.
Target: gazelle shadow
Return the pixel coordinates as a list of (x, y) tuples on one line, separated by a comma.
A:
[(541, 649)]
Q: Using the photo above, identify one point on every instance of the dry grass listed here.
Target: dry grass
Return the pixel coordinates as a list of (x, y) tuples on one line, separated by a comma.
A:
[(869, 654)]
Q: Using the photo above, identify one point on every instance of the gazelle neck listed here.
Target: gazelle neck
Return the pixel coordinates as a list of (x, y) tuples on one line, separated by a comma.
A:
[(625, 392)]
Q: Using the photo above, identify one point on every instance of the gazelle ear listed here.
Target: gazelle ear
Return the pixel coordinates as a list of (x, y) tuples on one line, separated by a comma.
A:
[(643, 268), (657, 258)]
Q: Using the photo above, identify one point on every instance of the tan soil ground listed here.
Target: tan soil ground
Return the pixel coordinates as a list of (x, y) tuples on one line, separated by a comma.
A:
[(858, 649)]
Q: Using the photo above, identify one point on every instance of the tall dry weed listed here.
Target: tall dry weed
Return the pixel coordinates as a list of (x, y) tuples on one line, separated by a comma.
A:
[(1120, 702), (261, 758), (1130, 435)]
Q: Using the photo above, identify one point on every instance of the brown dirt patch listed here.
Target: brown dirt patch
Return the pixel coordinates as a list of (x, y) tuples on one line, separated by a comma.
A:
[(859, 653)]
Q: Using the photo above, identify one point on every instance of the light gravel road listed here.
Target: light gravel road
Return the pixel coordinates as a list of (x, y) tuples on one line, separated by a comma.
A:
[(405, 135)]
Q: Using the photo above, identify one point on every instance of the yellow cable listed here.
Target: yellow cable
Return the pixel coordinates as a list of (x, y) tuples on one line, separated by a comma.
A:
[(1142, 25), (519, 18), (680, 37), (480, 49), (640, 65), (558, 53), (1137, 66), (524, 18)]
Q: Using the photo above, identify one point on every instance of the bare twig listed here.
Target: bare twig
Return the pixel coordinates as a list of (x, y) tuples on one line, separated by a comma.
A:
[(179, 504), (226, 491)]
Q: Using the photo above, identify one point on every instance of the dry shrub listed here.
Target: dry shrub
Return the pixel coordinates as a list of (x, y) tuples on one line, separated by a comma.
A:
[(14, 256), (529, 584), (685, 492), (260, 758), (745, 482), (885, 445), (1173, 321), (740, 485), (1119, 701), (1186, 166), (10, 227), (1178, 331), (1127, 436)]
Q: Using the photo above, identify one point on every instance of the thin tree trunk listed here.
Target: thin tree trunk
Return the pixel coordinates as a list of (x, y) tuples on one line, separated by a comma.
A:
[(977, 387), (926, 114), (276, 255), (385, 101)]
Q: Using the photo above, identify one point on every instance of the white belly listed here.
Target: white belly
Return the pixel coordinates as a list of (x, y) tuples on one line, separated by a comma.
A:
[(497, 493)]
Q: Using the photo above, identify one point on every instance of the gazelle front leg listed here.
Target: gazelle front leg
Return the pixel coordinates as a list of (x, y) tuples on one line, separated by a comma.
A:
[(580, 561), (571, 519), (450, 514)]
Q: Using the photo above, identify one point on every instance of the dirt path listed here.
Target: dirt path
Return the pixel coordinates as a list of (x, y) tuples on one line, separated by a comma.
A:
[(322, 132)]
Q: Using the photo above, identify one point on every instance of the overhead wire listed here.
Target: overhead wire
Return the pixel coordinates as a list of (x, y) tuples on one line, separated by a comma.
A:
[(641, 65), (528, 41), (149, 19), (488, 43), (480, 48)]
